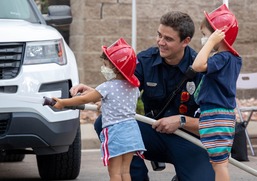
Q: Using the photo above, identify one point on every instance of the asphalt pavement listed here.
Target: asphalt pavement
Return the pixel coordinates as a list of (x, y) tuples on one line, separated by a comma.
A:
[(96, 171), (92, 168)]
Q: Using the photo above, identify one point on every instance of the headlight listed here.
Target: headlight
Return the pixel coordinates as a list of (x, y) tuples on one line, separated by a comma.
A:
[(45, 52)]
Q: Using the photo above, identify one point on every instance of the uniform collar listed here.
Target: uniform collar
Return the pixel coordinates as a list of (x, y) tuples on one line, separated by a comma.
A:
[(159, 60), (183, 64)]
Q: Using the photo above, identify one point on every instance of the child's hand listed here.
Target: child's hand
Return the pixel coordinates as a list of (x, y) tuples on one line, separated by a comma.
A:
[(58, 104), (81, 88), (217, 36), (98, 106)]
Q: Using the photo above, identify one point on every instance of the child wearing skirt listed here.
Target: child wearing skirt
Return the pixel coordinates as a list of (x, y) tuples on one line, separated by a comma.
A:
[(121, 136)]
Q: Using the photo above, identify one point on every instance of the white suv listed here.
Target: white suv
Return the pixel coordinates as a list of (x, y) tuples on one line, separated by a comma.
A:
[(35, 62)]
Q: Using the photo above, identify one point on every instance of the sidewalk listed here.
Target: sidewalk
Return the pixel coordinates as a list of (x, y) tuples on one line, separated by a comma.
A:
[(252, 131), (89, 137)]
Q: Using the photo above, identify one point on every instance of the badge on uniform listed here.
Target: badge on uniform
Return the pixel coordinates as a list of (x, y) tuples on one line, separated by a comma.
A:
[(151, 84), (190, 86)]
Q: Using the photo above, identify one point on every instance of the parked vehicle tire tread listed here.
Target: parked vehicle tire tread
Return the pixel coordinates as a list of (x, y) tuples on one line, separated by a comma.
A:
[(63, 166), (12, 157)]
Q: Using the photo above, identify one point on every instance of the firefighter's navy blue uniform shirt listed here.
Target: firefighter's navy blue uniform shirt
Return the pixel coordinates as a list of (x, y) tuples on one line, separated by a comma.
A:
[(158, 80)]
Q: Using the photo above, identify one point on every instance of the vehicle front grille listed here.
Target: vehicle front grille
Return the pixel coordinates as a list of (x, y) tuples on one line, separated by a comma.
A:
[(11, 56)]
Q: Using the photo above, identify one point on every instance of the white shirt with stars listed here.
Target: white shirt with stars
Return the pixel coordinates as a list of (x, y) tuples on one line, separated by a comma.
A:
[(119, 101)]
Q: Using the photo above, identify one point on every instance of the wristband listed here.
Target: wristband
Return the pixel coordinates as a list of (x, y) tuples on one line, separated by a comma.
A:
[(182, 121)]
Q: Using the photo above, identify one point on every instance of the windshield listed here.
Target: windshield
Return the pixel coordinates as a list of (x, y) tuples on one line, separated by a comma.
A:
[(17, 9)]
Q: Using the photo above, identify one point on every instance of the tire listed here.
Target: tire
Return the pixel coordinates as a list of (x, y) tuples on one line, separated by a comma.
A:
[(62, 166), (12, 157)]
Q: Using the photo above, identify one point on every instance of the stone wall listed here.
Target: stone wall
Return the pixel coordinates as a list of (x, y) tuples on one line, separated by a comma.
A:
[(101, 22)]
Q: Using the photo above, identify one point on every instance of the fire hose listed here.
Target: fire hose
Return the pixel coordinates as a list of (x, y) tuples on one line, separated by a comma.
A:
[(92, 107)]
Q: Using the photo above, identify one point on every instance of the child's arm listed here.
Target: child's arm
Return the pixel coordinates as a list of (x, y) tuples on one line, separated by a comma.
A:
[(200, 63), (91, 96)]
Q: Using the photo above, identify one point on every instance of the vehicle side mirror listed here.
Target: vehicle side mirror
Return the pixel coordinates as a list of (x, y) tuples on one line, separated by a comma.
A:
[(58, 15)]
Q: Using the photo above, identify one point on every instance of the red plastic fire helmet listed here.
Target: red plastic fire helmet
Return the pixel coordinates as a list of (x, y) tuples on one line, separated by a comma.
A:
[(123, 57), (223, 19)]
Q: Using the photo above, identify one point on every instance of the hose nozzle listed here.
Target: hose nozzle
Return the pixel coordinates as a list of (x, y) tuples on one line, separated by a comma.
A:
[(48, 101)]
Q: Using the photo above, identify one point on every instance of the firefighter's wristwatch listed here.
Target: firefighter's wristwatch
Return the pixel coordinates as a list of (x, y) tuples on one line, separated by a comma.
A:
[(182, 121)]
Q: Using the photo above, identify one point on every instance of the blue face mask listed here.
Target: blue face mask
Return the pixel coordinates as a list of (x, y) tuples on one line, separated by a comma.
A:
[(108, 73)]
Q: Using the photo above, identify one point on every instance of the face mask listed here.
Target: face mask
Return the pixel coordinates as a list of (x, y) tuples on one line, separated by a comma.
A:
[(204, 40), (108, 73)]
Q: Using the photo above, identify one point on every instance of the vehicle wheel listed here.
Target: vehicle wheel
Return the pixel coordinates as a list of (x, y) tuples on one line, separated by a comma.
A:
[(12, 157), (62, 166)]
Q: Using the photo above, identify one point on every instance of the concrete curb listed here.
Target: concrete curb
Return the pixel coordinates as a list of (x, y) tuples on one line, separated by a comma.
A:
[(89, 137)]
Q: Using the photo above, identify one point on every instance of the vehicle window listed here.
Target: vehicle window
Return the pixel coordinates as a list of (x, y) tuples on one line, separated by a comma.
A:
[(17, 9)]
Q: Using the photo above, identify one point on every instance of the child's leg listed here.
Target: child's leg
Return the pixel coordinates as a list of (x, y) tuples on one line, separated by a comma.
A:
[(114, 168), (221, 171), (126, 161), (119, 167)]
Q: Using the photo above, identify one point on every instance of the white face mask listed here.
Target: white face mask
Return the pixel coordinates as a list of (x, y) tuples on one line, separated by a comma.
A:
[(204, 40), (108, 73)]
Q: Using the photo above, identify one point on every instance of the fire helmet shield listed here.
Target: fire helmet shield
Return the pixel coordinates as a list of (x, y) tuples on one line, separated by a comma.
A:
[(123, 57), (223, 19)]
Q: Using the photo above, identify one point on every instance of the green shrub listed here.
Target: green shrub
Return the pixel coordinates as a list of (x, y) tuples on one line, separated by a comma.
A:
[(140, 107)]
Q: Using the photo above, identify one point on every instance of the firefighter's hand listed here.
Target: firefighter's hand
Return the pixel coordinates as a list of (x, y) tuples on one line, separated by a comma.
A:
[(167, 125)]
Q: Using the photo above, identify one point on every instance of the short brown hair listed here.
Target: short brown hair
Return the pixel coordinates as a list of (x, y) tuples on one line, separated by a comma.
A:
[(180, 22), (103, 56), (205, 23)]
